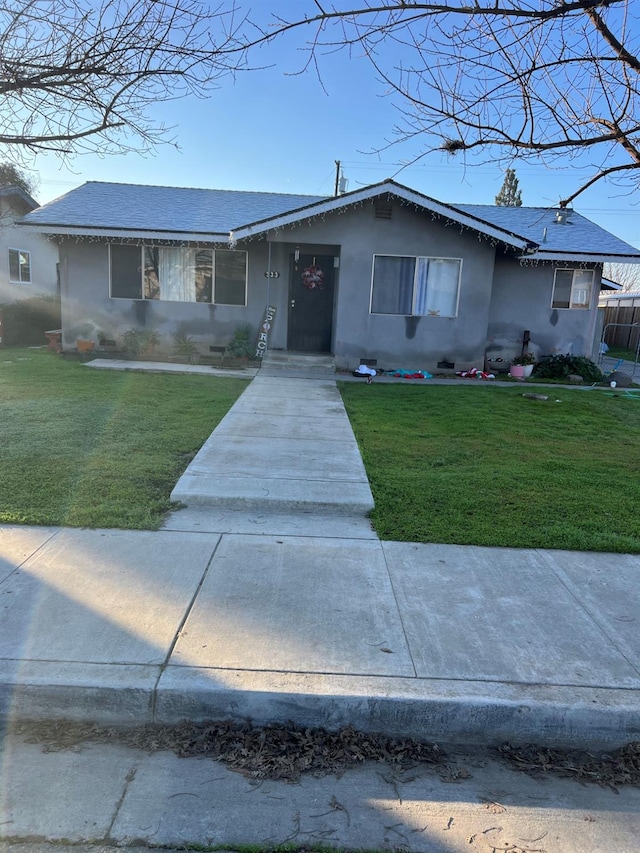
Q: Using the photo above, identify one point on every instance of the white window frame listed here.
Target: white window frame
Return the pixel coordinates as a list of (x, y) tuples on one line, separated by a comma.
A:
[(414, 297), (143, 298), (574, 287), (20, 265)]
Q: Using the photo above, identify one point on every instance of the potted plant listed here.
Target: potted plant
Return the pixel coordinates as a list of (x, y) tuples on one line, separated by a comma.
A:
[(523, 365)]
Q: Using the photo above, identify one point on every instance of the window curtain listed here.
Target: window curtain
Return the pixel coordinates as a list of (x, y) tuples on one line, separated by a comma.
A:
[(581, 292), (422, 277), (177, 271), (393, 285), (442, 288)]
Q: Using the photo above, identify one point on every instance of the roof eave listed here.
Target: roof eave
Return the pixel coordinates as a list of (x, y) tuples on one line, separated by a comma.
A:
[(128, 233), (23, 194), (330, 205), (581, 257)]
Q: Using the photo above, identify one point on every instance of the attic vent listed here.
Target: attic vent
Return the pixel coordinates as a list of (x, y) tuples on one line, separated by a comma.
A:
[(383, 209)]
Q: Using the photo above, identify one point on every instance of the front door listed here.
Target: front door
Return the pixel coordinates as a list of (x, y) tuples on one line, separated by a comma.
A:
[(311, 303)]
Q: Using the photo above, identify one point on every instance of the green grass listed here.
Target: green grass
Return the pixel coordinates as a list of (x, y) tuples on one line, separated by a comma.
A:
[(485, 466), (86, 448), (621, 352)]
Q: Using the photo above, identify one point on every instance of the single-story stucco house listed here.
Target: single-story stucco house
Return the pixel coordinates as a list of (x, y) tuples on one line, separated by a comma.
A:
[(382, 272), (29, 260)]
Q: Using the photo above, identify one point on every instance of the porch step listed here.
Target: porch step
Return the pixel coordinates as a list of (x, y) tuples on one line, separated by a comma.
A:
[(318, 364)]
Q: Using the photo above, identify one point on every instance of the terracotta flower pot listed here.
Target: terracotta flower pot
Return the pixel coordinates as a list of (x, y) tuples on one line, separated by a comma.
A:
[(84, 346)]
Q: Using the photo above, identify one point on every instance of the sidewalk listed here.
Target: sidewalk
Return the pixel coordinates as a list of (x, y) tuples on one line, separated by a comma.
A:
[(271, 598)]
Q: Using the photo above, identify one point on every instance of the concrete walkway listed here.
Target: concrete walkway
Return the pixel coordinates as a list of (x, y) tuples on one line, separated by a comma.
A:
[(286, 443), (271, 598)]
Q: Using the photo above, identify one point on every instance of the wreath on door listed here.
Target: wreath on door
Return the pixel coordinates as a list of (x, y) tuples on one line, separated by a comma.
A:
[(313, 277)]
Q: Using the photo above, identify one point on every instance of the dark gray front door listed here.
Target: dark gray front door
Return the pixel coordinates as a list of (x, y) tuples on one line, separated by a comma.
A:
[(311, 285)]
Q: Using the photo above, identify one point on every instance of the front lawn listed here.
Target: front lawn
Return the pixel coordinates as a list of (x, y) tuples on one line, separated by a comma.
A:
[(485, 466), (81, 447)]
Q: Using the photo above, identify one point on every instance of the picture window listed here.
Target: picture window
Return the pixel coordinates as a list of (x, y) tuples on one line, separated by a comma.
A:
[(178, 274)]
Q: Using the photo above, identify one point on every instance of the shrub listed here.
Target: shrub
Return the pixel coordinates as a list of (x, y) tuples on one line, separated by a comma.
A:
[(26, 320), (560, 366), (241, 345), (184, 345), (140, 341)]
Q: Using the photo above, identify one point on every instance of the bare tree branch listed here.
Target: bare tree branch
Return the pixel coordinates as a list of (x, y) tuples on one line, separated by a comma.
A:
[(628, 275), (539, 80), (528, 79), (80, 76)]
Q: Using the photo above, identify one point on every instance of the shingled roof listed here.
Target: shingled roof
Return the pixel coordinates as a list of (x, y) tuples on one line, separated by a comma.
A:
[(133, 207), (539, 225), (113, 209)]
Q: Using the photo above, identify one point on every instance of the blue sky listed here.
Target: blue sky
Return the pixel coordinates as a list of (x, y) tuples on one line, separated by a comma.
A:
[(278, 131)]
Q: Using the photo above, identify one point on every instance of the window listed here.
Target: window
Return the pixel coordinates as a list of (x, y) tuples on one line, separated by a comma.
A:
[(178, 274), (19, 266), (572, 289), (231, 275), (419, 286), (126, 278)]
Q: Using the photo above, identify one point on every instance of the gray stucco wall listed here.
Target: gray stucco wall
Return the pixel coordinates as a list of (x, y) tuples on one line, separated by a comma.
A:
[(43, 256), (88, 309), (521, 300), (354, 236), (498, 299), (398, 341)]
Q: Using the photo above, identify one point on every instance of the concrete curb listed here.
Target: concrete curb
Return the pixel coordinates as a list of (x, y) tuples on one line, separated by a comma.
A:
[(452, 712)]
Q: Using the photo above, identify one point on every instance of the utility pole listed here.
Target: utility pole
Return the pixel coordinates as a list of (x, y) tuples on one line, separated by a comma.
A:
[(337, 184)]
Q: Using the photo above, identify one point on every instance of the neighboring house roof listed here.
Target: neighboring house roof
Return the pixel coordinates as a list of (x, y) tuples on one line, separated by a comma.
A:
[(607, 284), (130, 210), (620, 295), (18, 192)]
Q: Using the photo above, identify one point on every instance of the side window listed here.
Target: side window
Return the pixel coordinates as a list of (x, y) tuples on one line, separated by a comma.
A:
[(572, 289), (19, 266)]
